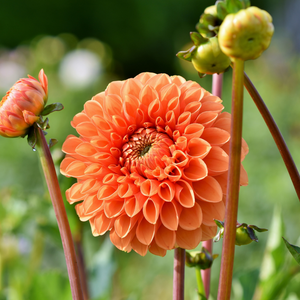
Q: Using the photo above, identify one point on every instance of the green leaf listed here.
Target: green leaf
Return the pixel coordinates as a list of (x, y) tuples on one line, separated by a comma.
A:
[(233, 6), (294, 250), (187, 54), (31, 138), (221, 10), (257, 228), (51, 108), (198, 39), (52, 142)]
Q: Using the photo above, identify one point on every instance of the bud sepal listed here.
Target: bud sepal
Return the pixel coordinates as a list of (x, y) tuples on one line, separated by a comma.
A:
[(200, 259)]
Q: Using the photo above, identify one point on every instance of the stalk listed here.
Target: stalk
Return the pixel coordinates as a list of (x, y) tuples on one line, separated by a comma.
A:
[(277, 136), (233, 181), (60, 212), (178, 274), (201, 288)]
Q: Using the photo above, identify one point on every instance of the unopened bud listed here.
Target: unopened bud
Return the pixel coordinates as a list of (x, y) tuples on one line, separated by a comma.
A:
[(201, 259), (246, 34)]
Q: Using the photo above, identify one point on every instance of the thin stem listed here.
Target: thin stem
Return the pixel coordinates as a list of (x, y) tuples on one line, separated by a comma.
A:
[(60, 212), (178, 274), (233, 181), (217, 83), (278, 138), (201, 289)]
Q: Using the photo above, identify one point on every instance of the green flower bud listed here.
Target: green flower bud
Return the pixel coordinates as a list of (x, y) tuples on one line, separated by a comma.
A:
[(209, 59), (202, 260), (246, 34), (245, 234), (211, 10)]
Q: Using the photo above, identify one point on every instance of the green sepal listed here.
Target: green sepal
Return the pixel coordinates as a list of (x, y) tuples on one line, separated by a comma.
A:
[(252, 234), (221, 10), (198, 39), (187, 54), (31, 137), (219, 223), (201, 296), (204, 30), (201, 75), (52, 142), (233, 6), (43, 124), (294, 250), (51, 108), (257, 228)]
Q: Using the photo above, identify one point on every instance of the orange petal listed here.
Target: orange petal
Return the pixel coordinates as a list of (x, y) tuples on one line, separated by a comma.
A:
[(138, 247), (135, 204), (123, 224), (194, 130), (215, 136), (208, 232), (165, 238), (107, 192), (184, 194), (149, 187), (194, 109), (208, 189), (113, 208), (206, 118), (181, 142), (192, 94), (198, 147), (86, 129), (112, 105), (126, 190), (79, 118), (151, 209), (131, 87), (158, 81), (75, 169), (217, 161), (174, 106), (173, 172), (70, 144), (166, 190), (145, 231), (156, 250), (156, 109), (92, 108), (147, 95), (211, 106), (169, 91), (212, 211), (90, 186), (196, 170), (188, 239), (178, 80), (130, 106), (183, 121), (180, 158), (92, 205), (73, 194), (191, 218), (101, 224), (85, 149), (169, 215), (120, 125), (144, 77), (122, 244), (114, 88)]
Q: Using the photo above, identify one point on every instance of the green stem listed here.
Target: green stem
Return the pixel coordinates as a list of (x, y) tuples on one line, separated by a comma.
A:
[(233, 182), (201, 289), (178, 274), (278, 138), (60, 212)]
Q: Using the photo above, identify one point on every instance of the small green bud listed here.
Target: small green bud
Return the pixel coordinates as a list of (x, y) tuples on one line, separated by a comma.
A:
[(209, 59), (245, 234), (246, 34), (201, 259), (211, 10)]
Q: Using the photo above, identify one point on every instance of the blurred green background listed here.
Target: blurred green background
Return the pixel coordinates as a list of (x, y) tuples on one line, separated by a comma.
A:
[(82, 46)]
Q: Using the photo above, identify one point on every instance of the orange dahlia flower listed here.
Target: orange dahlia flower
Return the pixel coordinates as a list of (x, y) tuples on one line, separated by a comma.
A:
[(22, 104), (151, 163)]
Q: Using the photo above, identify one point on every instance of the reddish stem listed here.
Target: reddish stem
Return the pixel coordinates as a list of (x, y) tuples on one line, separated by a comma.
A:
[(278, 138), (178, 274), (217, 83), (233, 181), (61, 215)]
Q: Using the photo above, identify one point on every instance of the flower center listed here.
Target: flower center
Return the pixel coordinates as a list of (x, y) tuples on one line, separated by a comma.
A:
[(145, 149)]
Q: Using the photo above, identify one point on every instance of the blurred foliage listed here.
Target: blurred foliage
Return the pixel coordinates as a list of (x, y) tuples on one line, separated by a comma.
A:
[(82, 46)]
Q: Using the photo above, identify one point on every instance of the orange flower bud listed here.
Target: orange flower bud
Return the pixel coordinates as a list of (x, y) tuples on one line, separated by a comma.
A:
[(22, 105)]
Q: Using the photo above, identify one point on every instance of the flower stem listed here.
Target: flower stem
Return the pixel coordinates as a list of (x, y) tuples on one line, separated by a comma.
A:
[(217, 83), (278, 138), (178, 274), (201, 289), (60, 212), (233, 181)]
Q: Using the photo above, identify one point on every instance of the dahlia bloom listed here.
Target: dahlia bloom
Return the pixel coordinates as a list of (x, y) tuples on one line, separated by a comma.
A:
[(22, 104), (151, 163)]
